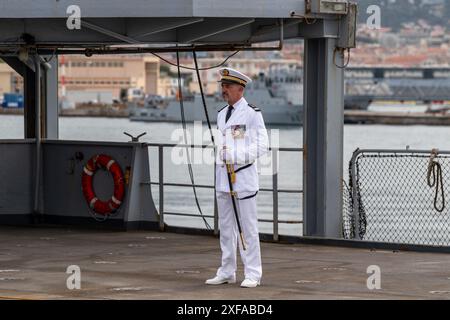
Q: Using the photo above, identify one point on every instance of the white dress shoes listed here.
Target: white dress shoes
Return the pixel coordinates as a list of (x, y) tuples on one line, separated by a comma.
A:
[(250, 283), (221, 280)]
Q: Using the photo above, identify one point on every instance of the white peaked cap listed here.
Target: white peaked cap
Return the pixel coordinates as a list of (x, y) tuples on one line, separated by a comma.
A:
[(229, 75)]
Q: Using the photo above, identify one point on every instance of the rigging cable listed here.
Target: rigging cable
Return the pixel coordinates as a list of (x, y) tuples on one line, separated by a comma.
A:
[(183, 121), (435, 171), (203, 96), (190, 68)]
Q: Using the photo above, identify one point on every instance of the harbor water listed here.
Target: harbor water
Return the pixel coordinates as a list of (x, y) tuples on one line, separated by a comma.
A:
[(181, 199)]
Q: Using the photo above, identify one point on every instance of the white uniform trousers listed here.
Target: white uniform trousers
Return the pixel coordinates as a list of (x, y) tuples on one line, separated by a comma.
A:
[(229, 235)]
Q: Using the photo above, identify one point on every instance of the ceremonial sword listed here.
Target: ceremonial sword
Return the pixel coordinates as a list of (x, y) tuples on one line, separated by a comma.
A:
[(230, 172)]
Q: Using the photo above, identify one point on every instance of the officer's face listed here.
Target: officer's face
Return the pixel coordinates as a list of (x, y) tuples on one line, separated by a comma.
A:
[(232, 92)]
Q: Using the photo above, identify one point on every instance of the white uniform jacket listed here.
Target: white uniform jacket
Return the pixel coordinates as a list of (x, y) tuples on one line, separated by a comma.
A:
[(245, 138)]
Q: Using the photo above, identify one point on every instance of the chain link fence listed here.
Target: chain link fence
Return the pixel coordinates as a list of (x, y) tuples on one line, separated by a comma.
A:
[(348, 223), (398, 196)]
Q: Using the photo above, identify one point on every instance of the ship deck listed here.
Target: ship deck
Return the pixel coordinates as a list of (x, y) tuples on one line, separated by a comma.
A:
[(156, 265)]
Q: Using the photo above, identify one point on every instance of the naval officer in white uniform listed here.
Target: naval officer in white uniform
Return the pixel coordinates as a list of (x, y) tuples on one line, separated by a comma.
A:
[(242, 139)]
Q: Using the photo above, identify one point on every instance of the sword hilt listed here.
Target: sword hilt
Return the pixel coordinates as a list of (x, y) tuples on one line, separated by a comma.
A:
[(230, 169)]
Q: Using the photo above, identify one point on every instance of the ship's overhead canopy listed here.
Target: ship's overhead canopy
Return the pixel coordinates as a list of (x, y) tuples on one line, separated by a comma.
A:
[(134, 23)]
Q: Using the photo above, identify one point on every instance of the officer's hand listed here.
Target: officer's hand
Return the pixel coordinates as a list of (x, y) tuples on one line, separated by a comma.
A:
[(224, 154)]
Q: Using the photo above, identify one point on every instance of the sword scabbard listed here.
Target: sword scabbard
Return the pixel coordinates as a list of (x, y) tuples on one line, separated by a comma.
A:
[(231, 179), (243, 242)]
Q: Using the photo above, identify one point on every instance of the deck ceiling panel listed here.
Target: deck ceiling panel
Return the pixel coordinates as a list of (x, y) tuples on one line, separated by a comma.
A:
[(54, 31), (122, 31), (140, 22), (210, 28), (260, 31), (23, 9), (142, 27)]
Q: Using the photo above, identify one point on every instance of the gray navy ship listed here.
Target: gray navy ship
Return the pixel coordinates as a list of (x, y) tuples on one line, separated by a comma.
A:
[(279, 95)]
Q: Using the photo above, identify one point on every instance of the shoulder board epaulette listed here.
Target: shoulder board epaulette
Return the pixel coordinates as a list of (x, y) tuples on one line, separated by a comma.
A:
[(222, 108), (254, 107)]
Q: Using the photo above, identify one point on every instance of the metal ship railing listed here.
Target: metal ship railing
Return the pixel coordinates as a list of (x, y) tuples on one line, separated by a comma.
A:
[(161, 183), (399, 196)]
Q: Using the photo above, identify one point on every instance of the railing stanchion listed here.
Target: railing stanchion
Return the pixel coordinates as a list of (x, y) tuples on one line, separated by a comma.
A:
[(275, 192), (216, 212), (161, 186)]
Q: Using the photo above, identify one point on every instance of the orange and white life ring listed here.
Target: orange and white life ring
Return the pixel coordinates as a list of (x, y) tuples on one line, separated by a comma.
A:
[(106, 162)]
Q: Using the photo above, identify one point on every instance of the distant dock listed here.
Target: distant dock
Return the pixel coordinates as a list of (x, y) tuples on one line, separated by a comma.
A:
[(87, 111), (350, 116), (396, 118), (11, 111)]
